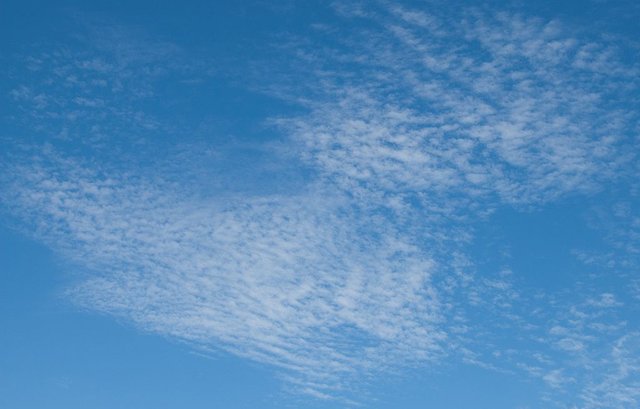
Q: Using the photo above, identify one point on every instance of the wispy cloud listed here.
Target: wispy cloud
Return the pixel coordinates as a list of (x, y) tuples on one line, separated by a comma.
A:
[(94, 90), (297, 282), (516, 109)]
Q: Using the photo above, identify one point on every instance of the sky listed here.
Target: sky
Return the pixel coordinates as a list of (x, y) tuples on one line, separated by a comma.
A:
[(320, 204)]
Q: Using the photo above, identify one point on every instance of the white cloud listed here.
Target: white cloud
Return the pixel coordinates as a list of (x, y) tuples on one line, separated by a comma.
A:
[(494, 106), (296, 282)]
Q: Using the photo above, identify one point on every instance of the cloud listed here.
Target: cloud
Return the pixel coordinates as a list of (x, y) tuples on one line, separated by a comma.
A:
[(619, 386), (497, 107), (296, 282), (94, 89)]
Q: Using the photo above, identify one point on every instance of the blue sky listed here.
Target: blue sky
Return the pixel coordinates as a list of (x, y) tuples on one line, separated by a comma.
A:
[(379, 204)]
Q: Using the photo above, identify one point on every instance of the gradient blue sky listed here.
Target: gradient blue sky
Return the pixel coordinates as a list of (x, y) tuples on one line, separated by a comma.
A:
[(382, 204)]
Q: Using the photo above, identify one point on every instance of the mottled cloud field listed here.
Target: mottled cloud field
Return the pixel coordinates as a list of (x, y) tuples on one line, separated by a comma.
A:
[(413, 128)]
